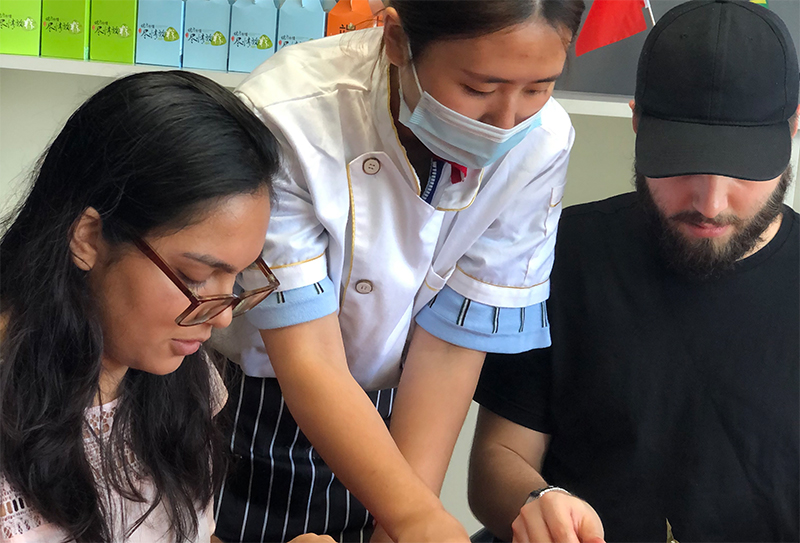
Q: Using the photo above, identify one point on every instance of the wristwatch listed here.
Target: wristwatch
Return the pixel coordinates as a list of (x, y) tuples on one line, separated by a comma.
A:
[(538, 493)]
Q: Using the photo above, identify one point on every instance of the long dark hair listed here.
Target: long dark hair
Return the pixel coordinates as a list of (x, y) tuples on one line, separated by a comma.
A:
[(150, 153), (428, 21)]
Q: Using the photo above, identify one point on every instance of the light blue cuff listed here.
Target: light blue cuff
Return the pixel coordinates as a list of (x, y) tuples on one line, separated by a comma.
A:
[(466, 323), (289, 307)]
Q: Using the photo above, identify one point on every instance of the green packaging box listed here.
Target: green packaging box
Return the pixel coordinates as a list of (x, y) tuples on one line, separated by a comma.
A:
[(113, 31), (20, 26), (65, 28)]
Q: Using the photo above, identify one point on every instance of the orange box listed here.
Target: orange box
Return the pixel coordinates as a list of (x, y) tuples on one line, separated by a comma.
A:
[(349, 15)]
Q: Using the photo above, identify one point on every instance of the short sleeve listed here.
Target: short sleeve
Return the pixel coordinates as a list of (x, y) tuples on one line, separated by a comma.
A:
[(295, 306), (509, 265), (517, 387), (467, 323), (296, 242)]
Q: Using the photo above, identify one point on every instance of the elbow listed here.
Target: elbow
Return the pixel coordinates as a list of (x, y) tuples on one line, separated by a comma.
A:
[(479, 495)]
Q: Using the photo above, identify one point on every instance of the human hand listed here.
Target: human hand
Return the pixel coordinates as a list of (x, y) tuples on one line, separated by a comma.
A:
[(557, 517), (312, 538)]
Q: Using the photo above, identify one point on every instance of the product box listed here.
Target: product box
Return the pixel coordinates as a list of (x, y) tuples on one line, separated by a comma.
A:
[(65, 28), (205, 37), (349, 15), (159, 32), (112, 36), (299, 21), (20, 26), (254, 24)]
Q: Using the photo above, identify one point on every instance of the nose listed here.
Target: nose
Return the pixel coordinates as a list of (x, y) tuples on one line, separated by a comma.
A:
[(503, 114), (222, 320), (710, 195), (507, 118)]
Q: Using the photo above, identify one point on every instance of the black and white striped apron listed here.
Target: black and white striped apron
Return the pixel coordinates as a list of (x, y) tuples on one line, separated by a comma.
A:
[(278, 486)]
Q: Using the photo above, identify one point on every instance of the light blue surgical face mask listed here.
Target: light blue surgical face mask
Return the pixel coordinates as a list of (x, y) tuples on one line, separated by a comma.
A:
[(457, 138)]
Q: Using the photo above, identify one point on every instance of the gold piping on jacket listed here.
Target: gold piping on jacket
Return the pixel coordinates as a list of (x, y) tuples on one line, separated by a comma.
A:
[(501, 286), (298, 263), (353, 236)]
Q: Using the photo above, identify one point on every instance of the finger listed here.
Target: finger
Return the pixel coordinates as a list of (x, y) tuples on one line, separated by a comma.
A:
[(519, 533), (538, 531), (312, 538), (558, 512), (562, 530)]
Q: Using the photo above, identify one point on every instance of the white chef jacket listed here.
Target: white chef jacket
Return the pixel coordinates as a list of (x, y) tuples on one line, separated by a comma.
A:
[(349, 208)]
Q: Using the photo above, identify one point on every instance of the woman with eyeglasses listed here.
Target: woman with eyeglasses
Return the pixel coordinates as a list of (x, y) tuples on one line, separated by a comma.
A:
[(424, 166), (113, 272)]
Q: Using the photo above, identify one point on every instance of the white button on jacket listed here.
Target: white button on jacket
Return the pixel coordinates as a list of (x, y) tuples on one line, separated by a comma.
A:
[(363, 286), (371, 166), (348, 207)]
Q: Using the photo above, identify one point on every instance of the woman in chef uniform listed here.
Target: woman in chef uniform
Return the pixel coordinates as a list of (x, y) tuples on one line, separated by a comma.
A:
[(423, 170)]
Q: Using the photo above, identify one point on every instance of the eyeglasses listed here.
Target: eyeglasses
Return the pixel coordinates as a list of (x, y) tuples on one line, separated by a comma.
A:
[(204, 308)]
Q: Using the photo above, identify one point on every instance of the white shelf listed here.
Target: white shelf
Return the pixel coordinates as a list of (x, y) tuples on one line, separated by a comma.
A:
[(103, 69), (576, 103), (601, 105)]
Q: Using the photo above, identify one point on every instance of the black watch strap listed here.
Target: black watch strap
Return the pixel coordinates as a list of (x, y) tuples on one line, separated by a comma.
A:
[(539, 492)]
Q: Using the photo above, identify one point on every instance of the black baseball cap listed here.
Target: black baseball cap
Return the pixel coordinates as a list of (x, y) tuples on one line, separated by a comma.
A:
[(716, 86)]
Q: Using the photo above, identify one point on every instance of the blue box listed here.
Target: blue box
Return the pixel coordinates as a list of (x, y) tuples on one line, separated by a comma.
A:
[(254, 26), (300, 21), (205, 36), (159, 33)]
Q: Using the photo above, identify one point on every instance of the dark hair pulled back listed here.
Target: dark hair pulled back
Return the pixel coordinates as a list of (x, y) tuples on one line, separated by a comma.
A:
[(152, 153), (428, 21)]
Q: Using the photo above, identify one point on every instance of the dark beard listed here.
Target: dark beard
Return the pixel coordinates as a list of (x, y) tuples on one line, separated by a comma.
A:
[(701, 259)]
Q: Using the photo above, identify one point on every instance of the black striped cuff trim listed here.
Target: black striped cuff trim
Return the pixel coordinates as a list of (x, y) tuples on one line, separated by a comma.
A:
[(462, 315)]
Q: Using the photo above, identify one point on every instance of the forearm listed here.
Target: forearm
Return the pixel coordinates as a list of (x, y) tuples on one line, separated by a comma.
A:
[(500, 478), (433, 397), (338, 418)]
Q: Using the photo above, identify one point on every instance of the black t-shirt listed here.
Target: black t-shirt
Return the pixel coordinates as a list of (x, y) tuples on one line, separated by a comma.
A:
[(666, 398)]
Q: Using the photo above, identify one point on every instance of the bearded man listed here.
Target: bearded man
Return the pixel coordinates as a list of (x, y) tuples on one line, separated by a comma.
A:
[(670, 395)]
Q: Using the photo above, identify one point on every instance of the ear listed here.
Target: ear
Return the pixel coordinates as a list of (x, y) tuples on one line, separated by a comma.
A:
[(796, 122), (85, 241), (634, 117), (395, 40)]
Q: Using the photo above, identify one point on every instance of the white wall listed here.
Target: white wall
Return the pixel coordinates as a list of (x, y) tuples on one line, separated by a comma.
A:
[(34, 105), (33, 108)]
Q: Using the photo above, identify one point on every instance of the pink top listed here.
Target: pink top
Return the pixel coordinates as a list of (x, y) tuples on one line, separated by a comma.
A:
[(21, 524)]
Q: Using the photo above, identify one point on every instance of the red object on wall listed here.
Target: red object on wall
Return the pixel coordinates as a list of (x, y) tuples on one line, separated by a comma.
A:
[(610, 21)]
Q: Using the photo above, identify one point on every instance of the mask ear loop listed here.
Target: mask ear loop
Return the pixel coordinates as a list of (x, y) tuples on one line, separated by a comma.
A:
[(413, 71)]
